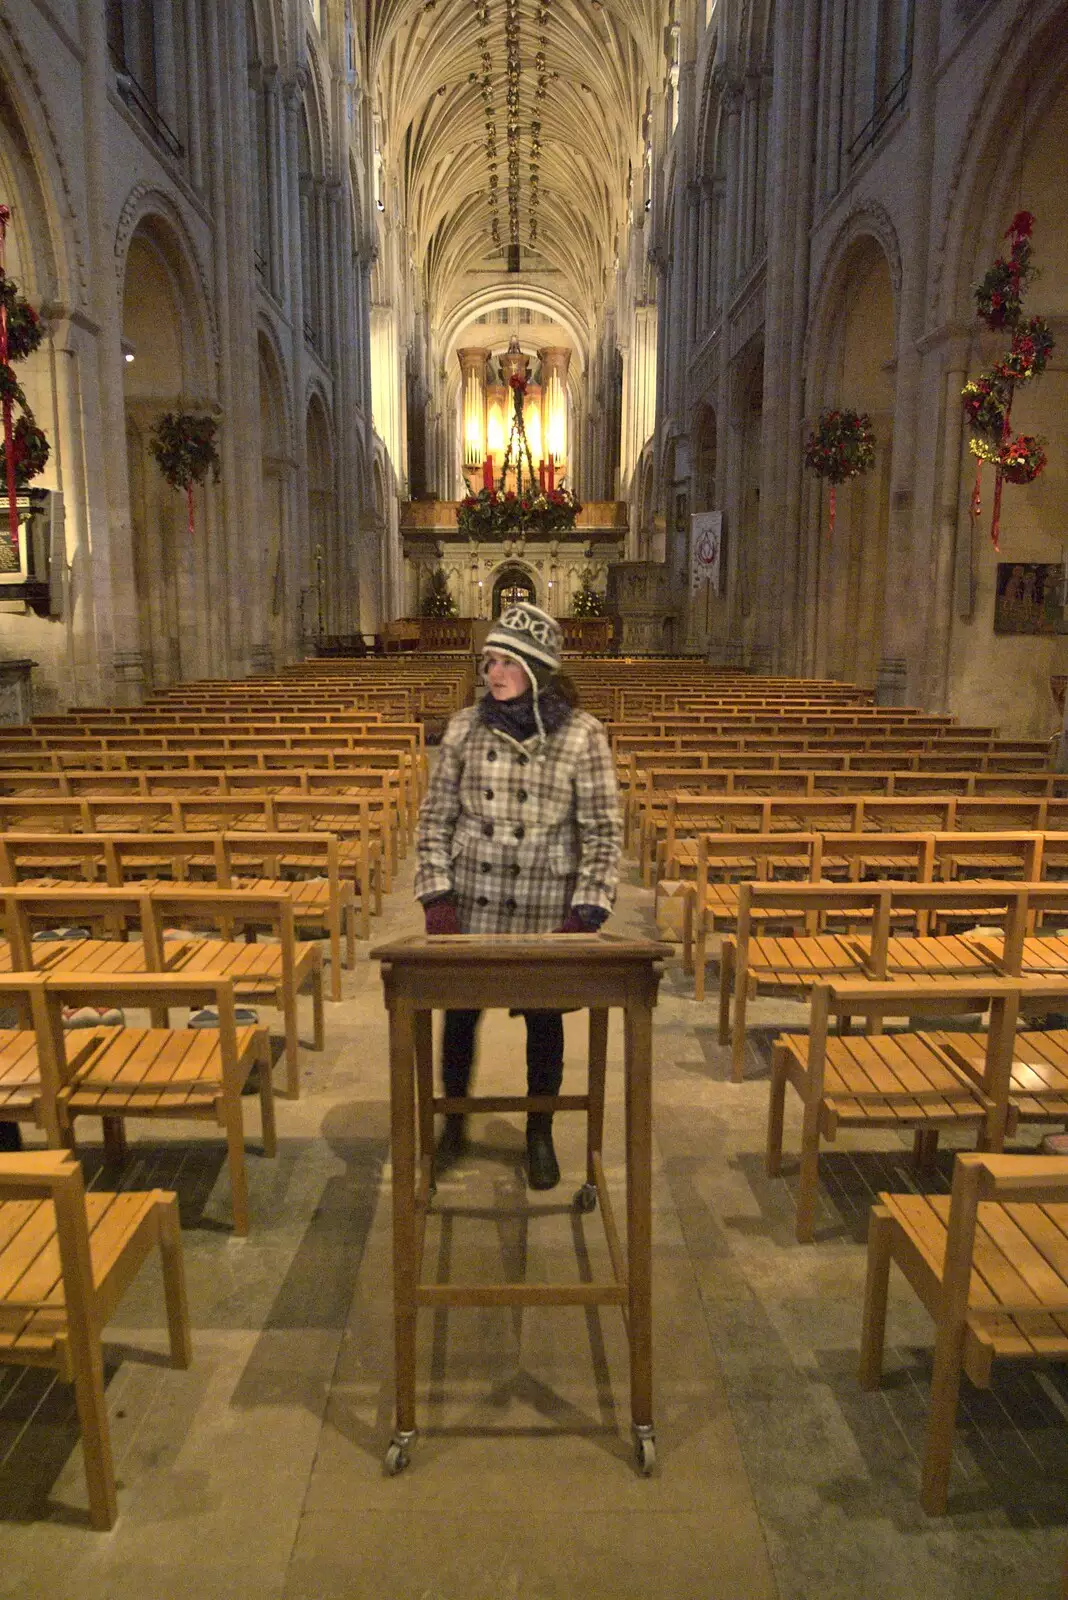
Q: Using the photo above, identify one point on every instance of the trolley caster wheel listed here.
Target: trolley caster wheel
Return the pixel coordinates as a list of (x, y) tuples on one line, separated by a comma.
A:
[(399, 1453), (585, 1198), (645, 1451)]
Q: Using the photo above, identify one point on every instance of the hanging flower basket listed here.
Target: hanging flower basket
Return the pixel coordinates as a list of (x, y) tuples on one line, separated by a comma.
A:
[(31, 450), (987, 400), (184, 448), (1032, 345), (11, 390), (998, 294), (1022, 459), (25, 446), (840, 446), (25, 330)]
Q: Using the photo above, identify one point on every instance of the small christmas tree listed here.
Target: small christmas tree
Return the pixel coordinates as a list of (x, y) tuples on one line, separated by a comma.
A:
[(438, 602), (588, 601)]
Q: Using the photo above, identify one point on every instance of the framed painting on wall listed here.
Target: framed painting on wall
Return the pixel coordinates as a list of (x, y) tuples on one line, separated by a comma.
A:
[(1030, 597)]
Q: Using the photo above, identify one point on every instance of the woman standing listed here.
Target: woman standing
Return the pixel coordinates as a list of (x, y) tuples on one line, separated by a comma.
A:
[(519, 833)]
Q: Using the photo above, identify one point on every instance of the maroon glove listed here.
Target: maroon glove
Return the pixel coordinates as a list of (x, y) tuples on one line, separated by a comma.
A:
[(441, 916), (582, 919)]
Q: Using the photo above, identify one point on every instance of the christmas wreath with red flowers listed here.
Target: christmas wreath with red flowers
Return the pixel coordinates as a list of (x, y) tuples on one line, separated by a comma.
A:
[(24, 327), (184, 448), (30, 448), (185, 451), (1021, 459), (998, 292), (26, 448), (841, 445)]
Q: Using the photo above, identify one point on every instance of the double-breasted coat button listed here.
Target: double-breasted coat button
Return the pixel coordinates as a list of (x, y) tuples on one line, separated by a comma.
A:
[(522, 760), (489, 794), (482, 901), (486, 867), (487, 830), (491, 755), (516, 869), (521, 794), (520, 831)]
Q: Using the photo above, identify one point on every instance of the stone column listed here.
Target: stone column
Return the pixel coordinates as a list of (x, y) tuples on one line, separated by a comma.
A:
[(908, 620), (296, 544), (115, 602)]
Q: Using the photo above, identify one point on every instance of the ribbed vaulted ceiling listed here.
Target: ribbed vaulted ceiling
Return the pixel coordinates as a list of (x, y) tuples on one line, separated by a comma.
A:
[(598, 59)]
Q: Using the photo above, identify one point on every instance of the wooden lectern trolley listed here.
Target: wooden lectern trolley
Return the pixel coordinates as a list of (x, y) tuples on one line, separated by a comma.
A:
[(591, 972)]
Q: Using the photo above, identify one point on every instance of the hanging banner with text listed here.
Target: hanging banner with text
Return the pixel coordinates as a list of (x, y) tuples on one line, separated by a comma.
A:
[(706, 544)]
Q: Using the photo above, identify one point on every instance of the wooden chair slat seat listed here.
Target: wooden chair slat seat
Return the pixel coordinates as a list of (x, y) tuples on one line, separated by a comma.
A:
[(66, 1259), (990, 1264)]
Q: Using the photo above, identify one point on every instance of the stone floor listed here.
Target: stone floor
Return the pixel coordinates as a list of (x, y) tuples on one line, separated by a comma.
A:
[(259, 1473)]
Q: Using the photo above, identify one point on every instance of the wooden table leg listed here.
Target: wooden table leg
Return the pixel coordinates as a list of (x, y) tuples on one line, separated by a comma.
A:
[(402, 1133), (638, 1057), (424, 1081), (595, 1089)]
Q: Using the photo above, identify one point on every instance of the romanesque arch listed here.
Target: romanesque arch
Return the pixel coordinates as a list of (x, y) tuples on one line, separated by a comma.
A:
[(168, 366), (851, 364)]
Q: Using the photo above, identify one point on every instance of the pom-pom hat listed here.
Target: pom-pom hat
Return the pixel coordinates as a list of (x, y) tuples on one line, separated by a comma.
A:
[(530, 636)]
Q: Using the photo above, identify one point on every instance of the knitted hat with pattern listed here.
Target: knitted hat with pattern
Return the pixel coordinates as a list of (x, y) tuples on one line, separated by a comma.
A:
[(529, 635)]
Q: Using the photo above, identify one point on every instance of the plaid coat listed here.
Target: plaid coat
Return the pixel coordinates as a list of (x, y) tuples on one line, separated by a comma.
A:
[(520, 831)]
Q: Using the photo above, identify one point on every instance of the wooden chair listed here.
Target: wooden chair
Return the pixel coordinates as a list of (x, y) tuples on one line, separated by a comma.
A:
[(990, 1263), (899, 1081), (794, 965), (66, 1259), (323, 899), (177, 1073), (274, 971), (721, 857)]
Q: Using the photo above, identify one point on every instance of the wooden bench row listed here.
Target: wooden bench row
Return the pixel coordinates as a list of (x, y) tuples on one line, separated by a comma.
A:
[(170, 923), (308, 867), (670, 846), (725, 860), (392, 809), (851, 930), (671, 804), (368, 829)]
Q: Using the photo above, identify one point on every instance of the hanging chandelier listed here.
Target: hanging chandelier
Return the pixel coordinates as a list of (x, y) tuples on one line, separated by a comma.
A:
[(536, 508)]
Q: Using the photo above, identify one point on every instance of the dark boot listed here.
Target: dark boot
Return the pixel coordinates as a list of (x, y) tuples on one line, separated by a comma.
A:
[(543, 1169), (452, 1143)]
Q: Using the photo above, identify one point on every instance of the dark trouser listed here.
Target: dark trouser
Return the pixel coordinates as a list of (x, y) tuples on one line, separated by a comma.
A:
[(545, 1051)]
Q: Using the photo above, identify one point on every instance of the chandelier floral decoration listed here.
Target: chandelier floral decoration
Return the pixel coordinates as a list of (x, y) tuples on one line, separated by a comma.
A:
[(841, 446), (987, 400), (26, 449), (535, 509), (484, 79), (185, 451)]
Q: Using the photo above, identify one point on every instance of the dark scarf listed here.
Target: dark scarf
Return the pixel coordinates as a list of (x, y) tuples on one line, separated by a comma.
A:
[(516, 717)]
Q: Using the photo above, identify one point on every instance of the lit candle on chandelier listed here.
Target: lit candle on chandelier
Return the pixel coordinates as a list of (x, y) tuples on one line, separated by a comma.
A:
[(487, 473)]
